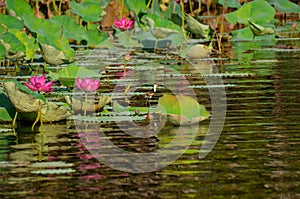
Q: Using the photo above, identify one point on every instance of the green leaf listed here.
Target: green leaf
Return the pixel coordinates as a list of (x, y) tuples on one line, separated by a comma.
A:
[(27, 41), (68, 75), (94, 37), (230, 3), (14, 44), (259, 11), (182, 109), (137, 6), (2, 51), (18, 7), (11, 22), (285, 6), (4, 115), (90, 11), (7, 110), (71, 29)]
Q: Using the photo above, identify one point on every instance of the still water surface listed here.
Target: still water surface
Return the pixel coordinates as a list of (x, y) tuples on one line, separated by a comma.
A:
[(256, 156)]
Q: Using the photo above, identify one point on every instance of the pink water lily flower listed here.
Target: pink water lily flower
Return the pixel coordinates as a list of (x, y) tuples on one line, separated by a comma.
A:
[(39, 84), (123, 24), (87, 84)]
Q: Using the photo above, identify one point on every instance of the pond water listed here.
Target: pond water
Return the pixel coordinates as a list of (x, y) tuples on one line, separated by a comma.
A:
[(256, 156)]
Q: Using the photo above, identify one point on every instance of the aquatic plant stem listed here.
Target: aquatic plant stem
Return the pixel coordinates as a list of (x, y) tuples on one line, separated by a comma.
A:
[(38, 117), (15, 121), (182, 19)]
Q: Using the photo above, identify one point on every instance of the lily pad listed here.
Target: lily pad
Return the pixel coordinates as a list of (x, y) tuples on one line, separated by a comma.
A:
[(182, 110), (68, 75)]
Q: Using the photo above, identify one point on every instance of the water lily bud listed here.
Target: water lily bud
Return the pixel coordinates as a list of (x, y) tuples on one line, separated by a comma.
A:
[(127, 57)]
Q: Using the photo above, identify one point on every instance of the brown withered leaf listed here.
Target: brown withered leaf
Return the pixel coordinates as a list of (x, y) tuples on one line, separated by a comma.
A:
[(113, 12)]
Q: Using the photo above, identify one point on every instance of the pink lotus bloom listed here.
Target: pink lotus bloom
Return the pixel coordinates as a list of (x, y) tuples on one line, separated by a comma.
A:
[(39, 84), (87, 84), (123, 24)]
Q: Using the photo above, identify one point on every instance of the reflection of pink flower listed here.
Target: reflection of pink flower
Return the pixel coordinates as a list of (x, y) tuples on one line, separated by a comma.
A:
[(123, 24), (39, 84), (87, 84)]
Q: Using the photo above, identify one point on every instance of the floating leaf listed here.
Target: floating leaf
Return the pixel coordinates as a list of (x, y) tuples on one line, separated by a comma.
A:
[(182, 110)]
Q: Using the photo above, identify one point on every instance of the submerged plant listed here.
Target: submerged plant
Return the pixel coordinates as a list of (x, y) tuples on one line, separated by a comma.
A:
[(123, 24)]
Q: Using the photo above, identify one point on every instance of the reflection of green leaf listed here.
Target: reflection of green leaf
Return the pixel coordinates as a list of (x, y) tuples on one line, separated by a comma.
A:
[(90, 11), (11, 22), (182, 109), (68, 75), (285, 6), (259, 11)]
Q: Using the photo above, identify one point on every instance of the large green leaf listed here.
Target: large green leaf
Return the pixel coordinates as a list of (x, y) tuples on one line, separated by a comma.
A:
[(136, 5), (68, 75), (27, 41), (11, 22), (2, 51), (14, 44), (259, 11), (90, 11), (18, 7), (182, 109), (230, 3), (285, 6), (246, 34), (71, 29)]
